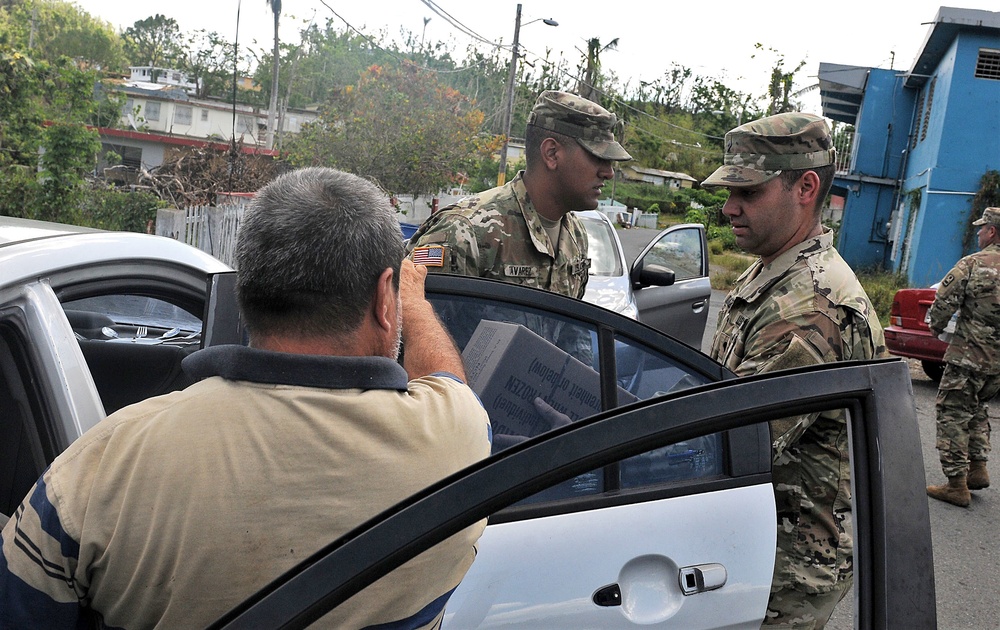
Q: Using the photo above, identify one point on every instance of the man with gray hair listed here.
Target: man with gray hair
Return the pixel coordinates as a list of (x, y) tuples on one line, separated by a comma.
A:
[(172, 511), (971, 290), (798, 304)]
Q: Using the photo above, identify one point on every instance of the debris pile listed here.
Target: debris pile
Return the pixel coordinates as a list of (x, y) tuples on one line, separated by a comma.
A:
[(191, 176)]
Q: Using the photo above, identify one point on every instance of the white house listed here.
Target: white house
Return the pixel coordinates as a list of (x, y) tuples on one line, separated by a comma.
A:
[(158, 115), (657, 177)]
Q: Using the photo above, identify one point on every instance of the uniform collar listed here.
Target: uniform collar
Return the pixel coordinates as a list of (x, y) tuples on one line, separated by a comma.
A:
[(758, 278), (240, 363), (539, 237)]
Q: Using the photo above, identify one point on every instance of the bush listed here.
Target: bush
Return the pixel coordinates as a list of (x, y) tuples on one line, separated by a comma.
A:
[(723, 234), (881, 286), (108, 208)]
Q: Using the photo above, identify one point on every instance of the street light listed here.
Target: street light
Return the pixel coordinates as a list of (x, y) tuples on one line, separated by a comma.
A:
[(508, 113)]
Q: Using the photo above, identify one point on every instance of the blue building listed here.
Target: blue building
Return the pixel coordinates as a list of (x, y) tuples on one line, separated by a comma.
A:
[(923, 139)]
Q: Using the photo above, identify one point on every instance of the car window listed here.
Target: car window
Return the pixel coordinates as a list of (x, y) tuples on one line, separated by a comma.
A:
[(601, 248), (130, 312), (679, 251), (150, 335), (530, 366)]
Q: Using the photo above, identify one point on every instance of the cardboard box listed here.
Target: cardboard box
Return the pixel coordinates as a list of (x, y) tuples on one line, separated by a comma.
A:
[(509, 366)]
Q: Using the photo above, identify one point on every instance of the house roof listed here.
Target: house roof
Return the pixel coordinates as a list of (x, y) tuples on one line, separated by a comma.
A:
[(947, 25), (160, 138), (841, 89), (842, 86), (655, 171)]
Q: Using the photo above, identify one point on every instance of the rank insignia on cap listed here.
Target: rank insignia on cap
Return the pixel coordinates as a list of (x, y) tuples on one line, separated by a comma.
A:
[(428, 256)]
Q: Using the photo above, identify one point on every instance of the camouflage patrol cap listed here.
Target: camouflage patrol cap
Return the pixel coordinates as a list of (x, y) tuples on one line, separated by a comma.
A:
[(990, 215), (586, 121), (758, 151)]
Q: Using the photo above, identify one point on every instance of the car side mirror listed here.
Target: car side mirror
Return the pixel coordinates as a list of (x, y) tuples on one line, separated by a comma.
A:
[(644, 275)]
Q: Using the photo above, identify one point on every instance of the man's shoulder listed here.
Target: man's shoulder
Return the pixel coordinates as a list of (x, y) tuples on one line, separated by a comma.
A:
[(495, 201), (823, 281)]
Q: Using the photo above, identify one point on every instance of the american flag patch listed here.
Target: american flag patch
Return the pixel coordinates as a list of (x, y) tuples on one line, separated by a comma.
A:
[(429, 256)]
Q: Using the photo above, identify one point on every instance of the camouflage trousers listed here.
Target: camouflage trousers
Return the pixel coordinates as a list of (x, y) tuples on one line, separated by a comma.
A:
[(963, 424), (792, 609)]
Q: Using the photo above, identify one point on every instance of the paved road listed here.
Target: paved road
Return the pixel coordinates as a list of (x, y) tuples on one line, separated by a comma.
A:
[(966, 541)]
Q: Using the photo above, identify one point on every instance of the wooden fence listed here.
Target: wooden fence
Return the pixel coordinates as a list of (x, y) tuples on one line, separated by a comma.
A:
[(212, 229)]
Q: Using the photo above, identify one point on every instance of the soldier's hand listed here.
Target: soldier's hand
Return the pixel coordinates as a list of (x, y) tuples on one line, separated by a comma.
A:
[(555, 418)]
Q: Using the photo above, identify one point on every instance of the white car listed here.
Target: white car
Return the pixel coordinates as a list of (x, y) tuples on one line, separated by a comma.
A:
[(653, 509), (667, 287)]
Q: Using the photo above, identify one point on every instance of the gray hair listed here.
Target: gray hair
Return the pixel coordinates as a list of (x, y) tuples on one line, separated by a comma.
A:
[(310, 250)]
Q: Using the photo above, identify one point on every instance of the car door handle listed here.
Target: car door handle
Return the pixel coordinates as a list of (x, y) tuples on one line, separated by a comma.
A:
[(610, 595), (697, 306), (695, 579), (701, 578)]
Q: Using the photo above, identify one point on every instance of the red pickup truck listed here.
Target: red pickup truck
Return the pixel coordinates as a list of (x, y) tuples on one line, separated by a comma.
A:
[(908, 335)]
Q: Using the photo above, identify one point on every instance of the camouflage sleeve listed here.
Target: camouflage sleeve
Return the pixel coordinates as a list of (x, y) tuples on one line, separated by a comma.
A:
[(454, 233), (949, 297), (800, 340)]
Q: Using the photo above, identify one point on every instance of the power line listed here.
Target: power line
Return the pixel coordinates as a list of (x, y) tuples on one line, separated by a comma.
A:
[(465, 30), (392, 53)]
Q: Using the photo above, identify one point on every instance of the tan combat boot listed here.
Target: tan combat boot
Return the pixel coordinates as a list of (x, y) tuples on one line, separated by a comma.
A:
[(978, 477), (954, 492)]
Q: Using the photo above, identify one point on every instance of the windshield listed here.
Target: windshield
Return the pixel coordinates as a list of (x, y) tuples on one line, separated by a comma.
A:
[(602, 248)]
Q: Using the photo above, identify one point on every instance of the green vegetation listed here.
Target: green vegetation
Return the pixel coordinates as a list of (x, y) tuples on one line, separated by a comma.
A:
[(414, 115), (881, 286), (727, 267)]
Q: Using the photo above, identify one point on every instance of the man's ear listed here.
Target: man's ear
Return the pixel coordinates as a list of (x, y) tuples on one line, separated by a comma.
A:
[(807, 189), (551, 150), (384, 302)]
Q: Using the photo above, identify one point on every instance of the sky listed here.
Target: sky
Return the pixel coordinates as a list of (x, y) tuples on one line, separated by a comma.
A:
[(715, 39)]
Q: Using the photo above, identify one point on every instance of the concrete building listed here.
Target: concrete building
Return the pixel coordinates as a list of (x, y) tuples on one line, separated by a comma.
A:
[(159, 115), (922, 141)]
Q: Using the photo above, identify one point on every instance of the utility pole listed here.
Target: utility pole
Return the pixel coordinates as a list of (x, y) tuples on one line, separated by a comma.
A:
[(509, 105), (509, 111)]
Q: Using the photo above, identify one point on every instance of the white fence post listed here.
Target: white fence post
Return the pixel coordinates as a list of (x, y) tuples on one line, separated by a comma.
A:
[(170, 223)]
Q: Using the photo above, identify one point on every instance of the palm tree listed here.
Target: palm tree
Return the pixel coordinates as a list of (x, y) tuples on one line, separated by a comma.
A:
[(272, 110), (587, 85)]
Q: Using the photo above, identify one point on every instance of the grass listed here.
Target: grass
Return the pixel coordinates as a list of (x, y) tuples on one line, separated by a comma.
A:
[(726, 268)]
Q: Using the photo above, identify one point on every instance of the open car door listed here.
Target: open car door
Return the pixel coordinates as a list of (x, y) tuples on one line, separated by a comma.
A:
[(654, 506)]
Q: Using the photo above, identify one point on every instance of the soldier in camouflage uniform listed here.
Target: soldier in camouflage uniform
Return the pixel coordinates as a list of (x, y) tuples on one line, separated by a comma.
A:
[(798, 304), (523, 232), (972, 374)]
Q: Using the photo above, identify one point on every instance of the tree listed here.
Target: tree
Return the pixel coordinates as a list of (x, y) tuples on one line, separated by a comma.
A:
[(153, 41), (398, 126), (45, 145), (208, 59), (590, 81), (779, 89), (49, 30), (272, 110)]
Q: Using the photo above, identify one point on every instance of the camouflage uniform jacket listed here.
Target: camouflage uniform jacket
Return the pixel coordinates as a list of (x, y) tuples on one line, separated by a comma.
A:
[(497, 234), (806, 307), (972, 288)]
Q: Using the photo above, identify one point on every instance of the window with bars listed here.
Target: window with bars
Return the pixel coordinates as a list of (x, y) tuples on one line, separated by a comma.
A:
[(988, 64), (152, 111), (182, 115), (918, 118)]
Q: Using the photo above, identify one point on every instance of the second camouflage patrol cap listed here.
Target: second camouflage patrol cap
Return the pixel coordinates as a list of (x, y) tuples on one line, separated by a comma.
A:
[(990, 215), (576, 117), (758, 151)]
